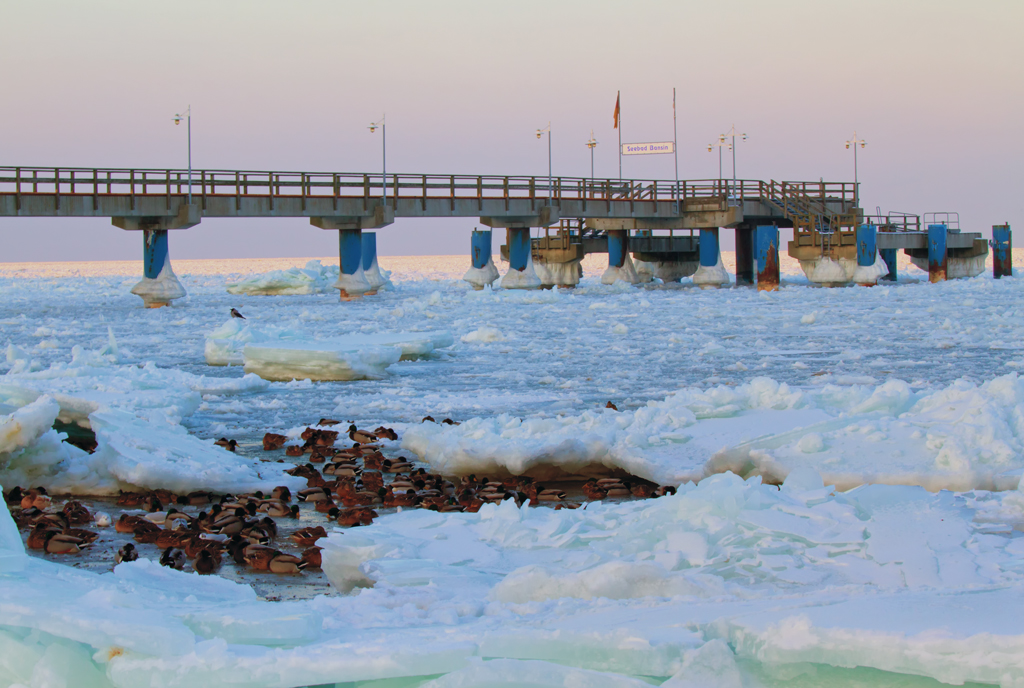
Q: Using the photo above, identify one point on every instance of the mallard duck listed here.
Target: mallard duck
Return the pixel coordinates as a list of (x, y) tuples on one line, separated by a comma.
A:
[(126, 553), (286, 563), (173, 558), (224, 442), (207, 562), (313, 558), (272, 441), (36, 498), (308, 536), (358, 436), (58, 543)]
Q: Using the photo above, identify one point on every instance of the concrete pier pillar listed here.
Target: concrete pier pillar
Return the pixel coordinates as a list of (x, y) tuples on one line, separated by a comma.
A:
[(745, 255), (866, 274), (889, 256), (620, 264), (937, 260), (159, 285), (711, 273), (1002, 251), (521, 274), (482, 273), (767, 258), (352, 282), (371, 270)]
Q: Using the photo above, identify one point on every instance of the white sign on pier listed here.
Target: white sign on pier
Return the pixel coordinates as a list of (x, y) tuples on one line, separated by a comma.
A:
[(648, 148)]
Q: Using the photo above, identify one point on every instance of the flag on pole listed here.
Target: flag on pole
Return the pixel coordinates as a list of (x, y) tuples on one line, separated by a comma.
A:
[(615, 115)]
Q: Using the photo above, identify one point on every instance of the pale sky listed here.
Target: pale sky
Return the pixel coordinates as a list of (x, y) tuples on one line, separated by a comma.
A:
[(935, 87)]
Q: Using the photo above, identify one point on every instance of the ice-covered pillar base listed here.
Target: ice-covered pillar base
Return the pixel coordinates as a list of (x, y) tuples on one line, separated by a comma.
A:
[(1002, 251), (566, 275), (371, 271), (745, 255), (482, 273), (521, 274), (711, 273), (937, 253), (159, 285), (888, 256), (620, 264), (767, 258), (869, 265), (352, 282)]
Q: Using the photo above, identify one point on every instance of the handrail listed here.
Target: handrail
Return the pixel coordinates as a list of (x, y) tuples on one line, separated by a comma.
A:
[(136, 182)]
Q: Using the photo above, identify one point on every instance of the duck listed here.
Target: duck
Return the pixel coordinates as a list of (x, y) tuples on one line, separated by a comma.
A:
[(428, 418), (236, 314), (641, 490), (86, 536), (287, 563), (130, 499), (308, 536), (552, 495), (13, 496), (325, 505), (383, 433), (126, 553), (449, 421), (36, 498), (591, 490), (173, 558), (312, 557), (621, 489), (76, 513), (360, 437), (611, 406), (206, 563), (230, 445), (328, 422), (663, 490), (39, 534), (145, 532), (281, 492), (273, 441), (279, 510), (313, 494), (167, 539), (58, 543), (259, 557)]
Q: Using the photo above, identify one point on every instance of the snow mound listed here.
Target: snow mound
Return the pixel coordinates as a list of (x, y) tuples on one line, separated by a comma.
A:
[(162, 289), (315, 278), (963, 437)]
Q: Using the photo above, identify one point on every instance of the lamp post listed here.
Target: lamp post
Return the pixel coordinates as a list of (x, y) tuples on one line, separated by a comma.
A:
[(592, 144), (188, 120), (384, 153), (719, 144), (548, 132), (854, 142)]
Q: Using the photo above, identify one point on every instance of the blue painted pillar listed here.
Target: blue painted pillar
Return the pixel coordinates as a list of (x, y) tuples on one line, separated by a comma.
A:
[(889, 256), (518, 247), (937, 253), (154, 252), (708, 247), (618, 244), (767, 258), (480, 246), (1002, 251), (867, 245), (369, 249), (350, 250)]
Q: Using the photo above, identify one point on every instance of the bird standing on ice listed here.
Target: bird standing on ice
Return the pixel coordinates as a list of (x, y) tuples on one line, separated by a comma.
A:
[(236, 314)]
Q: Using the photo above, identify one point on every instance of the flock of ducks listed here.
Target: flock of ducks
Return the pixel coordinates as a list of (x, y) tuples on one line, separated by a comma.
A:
[(201, 528)]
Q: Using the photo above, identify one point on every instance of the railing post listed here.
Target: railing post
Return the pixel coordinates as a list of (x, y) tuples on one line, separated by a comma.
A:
[(424, 203), (506, 194), (302, 186), (238, 193), (56, 187), (17, 189), (453, 193), (168, 202), (270, 189), (394, 196), (480, 193)]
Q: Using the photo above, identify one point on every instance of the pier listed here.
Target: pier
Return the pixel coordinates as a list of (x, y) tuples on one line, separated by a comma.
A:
[(649, 228)]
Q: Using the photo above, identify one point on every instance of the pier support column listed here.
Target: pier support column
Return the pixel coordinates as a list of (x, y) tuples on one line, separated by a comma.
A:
[(937, 262), (482, 273), (521, 274), (866, 273), (711, 273), (159, 285), (1002, 251), (767, 258), (352, 282), (371, 270), (620, 265), (745, 255), (889, 256)]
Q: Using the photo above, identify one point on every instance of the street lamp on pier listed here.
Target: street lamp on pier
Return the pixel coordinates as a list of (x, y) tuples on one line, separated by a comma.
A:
[(547, 131), (854, 142), (592, 144), (384, 153), (187, 116)]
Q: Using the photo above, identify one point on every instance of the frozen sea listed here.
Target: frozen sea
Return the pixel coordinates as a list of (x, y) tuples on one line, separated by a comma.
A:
[(892, 417)]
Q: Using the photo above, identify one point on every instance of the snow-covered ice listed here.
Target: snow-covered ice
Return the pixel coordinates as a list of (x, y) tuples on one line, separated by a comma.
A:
[(831, 579)]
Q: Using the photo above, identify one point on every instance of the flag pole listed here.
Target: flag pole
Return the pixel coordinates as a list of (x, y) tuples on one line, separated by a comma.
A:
[(675, 145), (618, 110)]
